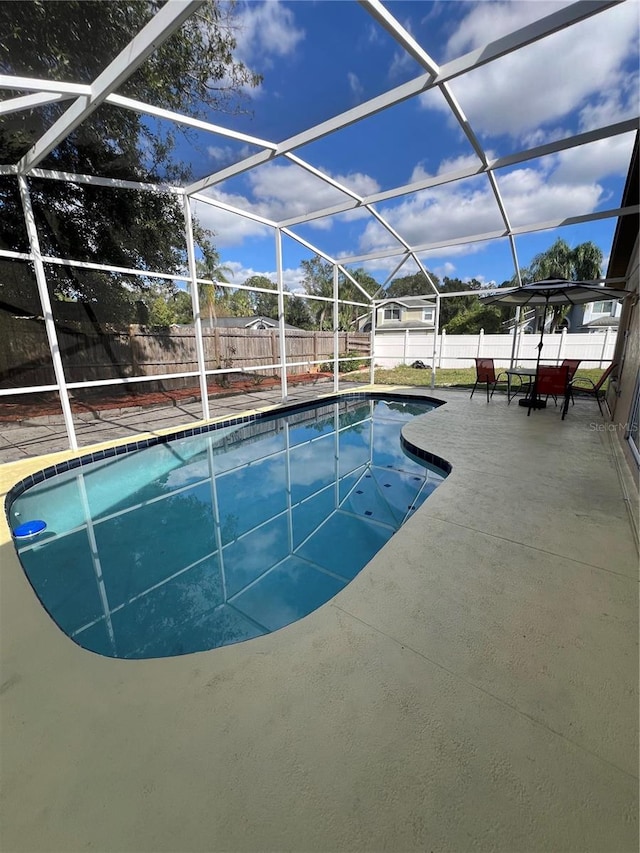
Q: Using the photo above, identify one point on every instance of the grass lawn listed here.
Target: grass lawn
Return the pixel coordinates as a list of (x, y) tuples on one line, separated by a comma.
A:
[(462, 377)]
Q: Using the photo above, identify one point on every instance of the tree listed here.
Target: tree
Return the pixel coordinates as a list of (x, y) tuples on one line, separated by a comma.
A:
[(75, 40), (582, 263), (470, 320), (296, 312), (209, 293), (318, 281), (412, 285), (264, 304), (348, 314), (161, 312), (183, 309)]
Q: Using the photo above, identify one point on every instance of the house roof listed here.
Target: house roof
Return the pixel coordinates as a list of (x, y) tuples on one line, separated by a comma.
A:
[(408, 302), (626, 232), (408, 324), (244, 323), (602, 322)]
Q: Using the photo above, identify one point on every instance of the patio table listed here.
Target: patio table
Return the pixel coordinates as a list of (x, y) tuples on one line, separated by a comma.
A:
[(522, 373)]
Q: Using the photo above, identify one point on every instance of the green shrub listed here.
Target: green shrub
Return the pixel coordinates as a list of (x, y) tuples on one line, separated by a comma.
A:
[(352, 363)]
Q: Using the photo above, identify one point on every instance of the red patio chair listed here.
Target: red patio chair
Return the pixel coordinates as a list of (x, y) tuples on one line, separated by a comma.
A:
[(486, 372), (572, 364), (553, 382), (596, 389)]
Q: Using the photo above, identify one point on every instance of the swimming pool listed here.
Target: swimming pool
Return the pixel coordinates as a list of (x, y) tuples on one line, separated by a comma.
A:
[(223, 535)]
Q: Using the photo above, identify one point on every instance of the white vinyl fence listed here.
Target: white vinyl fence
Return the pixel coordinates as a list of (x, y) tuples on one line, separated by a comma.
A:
[(394, 348)]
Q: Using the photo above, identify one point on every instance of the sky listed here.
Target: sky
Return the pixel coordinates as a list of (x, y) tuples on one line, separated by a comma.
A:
[(319, 59)]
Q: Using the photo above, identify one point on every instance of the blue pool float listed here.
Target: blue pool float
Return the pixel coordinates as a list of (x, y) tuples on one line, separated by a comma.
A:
[(29, 528)]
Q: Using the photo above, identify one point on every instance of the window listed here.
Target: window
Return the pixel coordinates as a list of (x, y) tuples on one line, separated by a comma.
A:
[(427, 315), (391, 313), (601, 307)]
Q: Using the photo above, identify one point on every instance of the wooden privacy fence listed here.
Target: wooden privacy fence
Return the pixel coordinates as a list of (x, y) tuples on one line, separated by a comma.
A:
[(94, 353)]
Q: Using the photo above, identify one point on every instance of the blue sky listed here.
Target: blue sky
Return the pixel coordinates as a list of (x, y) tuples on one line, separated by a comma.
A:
[(319, 59)]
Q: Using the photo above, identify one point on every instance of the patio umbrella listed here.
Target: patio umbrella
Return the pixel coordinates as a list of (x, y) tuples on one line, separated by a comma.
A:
[(552, 291)]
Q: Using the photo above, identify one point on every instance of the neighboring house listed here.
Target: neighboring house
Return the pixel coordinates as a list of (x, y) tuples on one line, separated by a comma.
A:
[(404, 312), (594, 317), (244, 323)]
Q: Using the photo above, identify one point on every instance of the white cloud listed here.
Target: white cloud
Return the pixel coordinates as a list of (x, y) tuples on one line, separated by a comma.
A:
[(403, 62), (447, 269), (581, 68), (614, 105), (453, 164), (489, 21), (229, 229), (288, 191), (265, 30), (292, 277), (466, 207), (592, 163), (223, 155), (532, 195), (556, 187), (278, 192), (355, 85)]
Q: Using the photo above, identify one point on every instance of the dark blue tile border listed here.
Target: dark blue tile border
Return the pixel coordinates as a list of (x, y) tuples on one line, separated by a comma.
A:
[(79, 461)]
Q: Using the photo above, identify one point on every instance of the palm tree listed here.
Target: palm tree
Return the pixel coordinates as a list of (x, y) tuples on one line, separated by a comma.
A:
[(210, 267), (583, 263)]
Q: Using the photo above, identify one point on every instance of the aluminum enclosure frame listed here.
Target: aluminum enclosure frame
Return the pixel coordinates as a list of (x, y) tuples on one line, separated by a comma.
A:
[(166, 21)]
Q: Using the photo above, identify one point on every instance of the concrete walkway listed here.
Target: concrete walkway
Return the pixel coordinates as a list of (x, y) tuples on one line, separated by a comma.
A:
[(47, 434), (474, 688)]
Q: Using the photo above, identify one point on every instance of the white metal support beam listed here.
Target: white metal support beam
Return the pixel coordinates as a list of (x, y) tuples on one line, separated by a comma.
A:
[(400, 34), (436, 324), (30, 102), (33, 84), (50, 327), (171, 16), (281, 328), (535, 31), (336, 362), (195, 302), (372, 345), (188, 121), (493, 235)]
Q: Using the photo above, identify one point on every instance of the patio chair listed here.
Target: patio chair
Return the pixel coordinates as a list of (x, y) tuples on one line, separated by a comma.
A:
[(572, 364), (553, 382), (596, 389), (486, 372)]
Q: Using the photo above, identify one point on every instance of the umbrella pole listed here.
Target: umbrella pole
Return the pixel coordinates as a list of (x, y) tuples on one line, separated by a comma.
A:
[(534, 401)]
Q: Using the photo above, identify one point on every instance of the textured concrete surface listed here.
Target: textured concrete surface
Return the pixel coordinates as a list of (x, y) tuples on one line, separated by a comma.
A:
[(474, 688)]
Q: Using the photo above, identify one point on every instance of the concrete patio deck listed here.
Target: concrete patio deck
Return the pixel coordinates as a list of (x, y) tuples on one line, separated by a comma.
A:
[(474, 688)]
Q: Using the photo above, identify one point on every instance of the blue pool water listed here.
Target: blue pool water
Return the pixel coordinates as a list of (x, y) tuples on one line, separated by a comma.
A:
[(204, 541)]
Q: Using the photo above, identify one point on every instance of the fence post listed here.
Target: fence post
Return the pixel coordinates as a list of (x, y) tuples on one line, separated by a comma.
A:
[(405, 348), (132, 351), (604, 346), (480, 339), (443, 340)]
